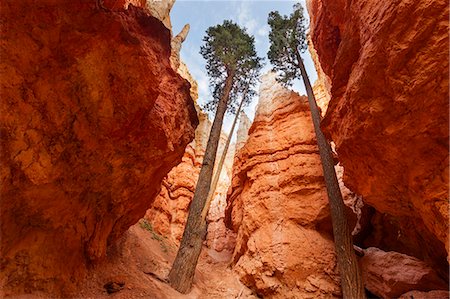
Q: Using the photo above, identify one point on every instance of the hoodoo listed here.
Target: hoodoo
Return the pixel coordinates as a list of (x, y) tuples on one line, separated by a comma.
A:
[(278, 203)]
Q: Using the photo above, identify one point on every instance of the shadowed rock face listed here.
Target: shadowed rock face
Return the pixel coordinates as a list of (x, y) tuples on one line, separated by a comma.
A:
[(278, 204), (391, 274), (387, 64), (92, 118)]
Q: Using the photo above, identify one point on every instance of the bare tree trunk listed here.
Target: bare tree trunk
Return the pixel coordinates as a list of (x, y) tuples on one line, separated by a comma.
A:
[(182, 273), (221, 161), (351, 280)]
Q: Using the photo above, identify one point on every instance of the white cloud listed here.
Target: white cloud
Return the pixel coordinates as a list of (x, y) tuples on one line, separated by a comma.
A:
[(263, 31), (245, 18)]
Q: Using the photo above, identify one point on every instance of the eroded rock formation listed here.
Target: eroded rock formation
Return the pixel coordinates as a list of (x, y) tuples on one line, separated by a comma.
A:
[(278, 204), (242, 132), (387, 63), (160, 9), (169, 212), (92, 118), (391, 274)]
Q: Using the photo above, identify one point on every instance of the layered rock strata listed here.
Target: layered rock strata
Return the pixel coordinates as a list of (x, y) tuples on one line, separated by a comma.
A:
[(169, 212), (387, 63), (278, 204), (92, 118)]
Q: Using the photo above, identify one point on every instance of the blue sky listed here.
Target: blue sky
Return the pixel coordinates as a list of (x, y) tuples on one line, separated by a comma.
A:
[(249, 14)]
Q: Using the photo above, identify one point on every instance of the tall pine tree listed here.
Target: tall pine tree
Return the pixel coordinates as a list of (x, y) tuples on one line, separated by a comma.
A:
[(230, 55), (287, 40)]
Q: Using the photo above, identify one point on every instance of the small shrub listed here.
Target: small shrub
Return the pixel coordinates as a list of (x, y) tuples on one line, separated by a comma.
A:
[(155, 236)]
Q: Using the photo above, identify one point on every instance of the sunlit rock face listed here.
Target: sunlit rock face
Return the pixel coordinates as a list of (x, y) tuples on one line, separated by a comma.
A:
[(242, 132), (160, 9), (92, 118), (278, 204), (387, 62)]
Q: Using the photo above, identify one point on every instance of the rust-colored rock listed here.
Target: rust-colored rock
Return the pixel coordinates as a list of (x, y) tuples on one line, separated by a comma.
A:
[(278, 204), (322, 86), (426, 295), (391, 274), (92, 118), (388, 67), (169, 212)]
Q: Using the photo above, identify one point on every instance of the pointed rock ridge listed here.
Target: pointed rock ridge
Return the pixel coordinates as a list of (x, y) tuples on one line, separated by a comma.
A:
[(391, 274), (84, 151), (159, 9), (278, 204), (388, 114), (176, 46)]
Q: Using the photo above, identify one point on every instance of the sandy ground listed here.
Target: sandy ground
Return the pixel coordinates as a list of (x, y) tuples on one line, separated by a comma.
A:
[(138, 265)]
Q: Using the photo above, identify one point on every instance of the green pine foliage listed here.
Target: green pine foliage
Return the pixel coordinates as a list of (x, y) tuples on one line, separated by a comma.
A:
[(230, 51), (287, 38)]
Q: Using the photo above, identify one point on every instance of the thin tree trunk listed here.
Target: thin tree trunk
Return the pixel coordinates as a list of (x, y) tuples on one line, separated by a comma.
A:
[(182, 273), (351, 280), (222, 160)]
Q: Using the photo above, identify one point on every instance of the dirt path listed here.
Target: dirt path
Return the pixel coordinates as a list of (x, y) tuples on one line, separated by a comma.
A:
[(140, 263)]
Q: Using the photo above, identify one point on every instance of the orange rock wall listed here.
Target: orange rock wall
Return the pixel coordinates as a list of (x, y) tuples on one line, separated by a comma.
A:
[(278, 204), (92, 118), (387, 62), (169, 212)]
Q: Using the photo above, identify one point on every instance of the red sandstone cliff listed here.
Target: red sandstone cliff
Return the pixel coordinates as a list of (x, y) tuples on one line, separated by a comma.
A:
[(278, 204), (387, 64), (92, 118)]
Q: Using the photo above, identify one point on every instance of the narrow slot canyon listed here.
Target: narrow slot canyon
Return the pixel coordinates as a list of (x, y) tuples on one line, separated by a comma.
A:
[(105, 132)]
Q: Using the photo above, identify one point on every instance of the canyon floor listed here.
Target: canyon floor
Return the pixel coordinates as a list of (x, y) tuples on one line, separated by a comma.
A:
[(141, 261)]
